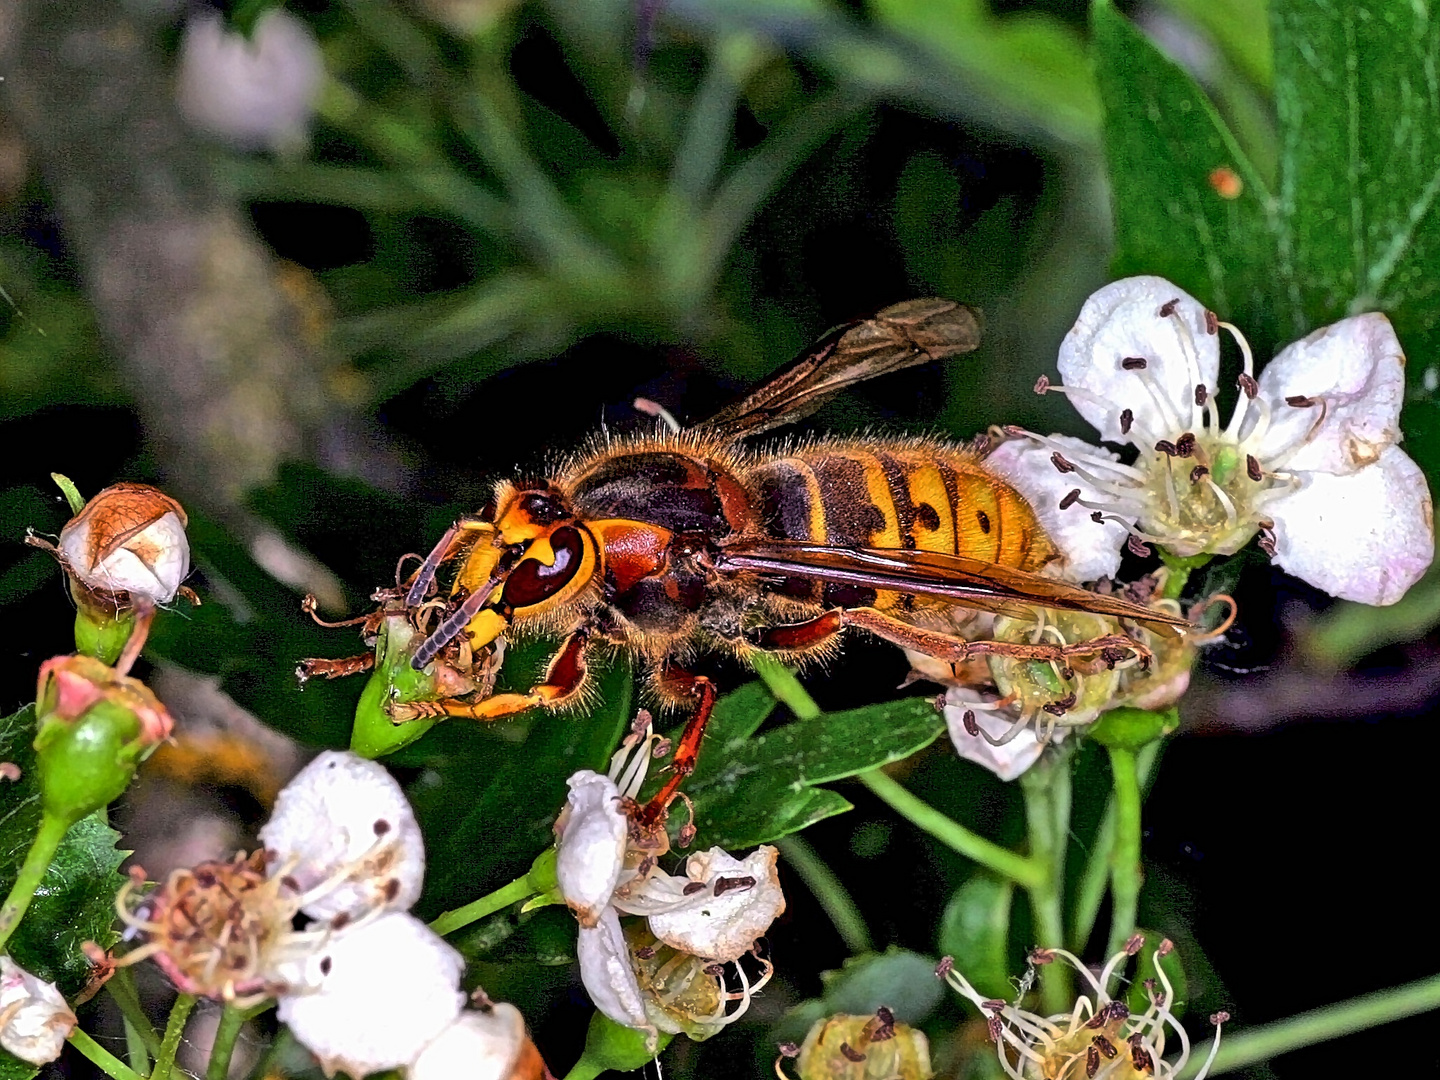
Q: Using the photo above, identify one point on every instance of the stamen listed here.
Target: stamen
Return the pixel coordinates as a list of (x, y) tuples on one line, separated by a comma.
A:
[(1190, 352), (1201, 394), (1042, 384), (1071, 497), (1212, 323), (1061, 465), (1198, 472), (1185, 445), (1134, 363), (1300, 401), (1252, 468), (1126, 419)]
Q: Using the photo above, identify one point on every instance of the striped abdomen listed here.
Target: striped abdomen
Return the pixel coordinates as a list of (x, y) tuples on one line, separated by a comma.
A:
[(898, 494)]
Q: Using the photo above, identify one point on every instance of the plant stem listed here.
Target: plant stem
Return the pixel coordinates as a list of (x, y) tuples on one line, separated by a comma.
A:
[(1330, 1022), (827, 888), (42, 850), (519, 889), (1047, 815), (1027, 872), (786, 688), (1091, 891), (103, 1059), (121, 988), (1125, 861), (223, 1048), (174, 1029), (135, 1050)]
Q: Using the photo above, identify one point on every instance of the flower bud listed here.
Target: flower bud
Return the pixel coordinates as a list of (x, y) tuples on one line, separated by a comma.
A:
[(490, 1044), (128, 547), (34, 1019), (376, 732), (95, 727), (876, 1047)]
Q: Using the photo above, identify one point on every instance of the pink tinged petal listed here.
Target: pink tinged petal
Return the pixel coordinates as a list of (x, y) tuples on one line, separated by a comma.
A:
[(739, 900), (1366, 536), (74, 693), (1090, 550), (1355, 372), (378, 993), (345, 821), (1122, 322), (590, 845), (608, 977), (1007, 762)]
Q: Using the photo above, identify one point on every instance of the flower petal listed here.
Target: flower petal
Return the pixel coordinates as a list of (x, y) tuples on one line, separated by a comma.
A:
[(1123, 321), (1355, 370), (739, 900), (36, 1017), (343, 815), (487, 1045), (1090, 550), (1007, 761), (608, 977), (590, 845), (1365, 536), (380, 991)]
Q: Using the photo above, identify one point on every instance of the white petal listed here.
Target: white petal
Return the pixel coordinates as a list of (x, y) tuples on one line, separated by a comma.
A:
[(1090, 550), (1122, 321), (36, 1018), (150, 564), (1007, 761), (722, 920), (345, 818), (1365, 536), (477, 1046), (1358, 368), (590, 845), (608, 977), (382, 990)]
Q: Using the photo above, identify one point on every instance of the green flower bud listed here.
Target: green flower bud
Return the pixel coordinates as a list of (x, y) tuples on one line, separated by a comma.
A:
[(609, 1045), (95, 727), (376, 732)]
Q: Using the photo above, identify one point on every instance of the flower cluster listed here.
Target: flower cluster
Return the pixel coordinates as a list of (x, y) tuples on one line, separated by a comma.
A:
[(1309, 459), (668, 973), (363, 984), (1099, 1032)]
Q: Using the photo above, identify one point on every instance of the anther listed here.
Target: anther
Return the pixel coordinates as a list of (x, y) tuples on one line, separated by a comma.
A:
[(850, 1053), (1266, 543), (1198, 473), (884, 1025), (1168, 448), (1168, 308), (1221, 1017), (1117, 1010), (1185, 445), (1014, 430), (1112, 655), (1166, 946), (646, 865), (1134, 363), (1248, 384), (1136, 943), (1126, 419), (995, 1005), (1252, 468), (391, 890), (1141, 1059), (1092, 1062), (946, 965), (788, 1049), (1042, 384), (325, 966), (661, 749), (1105, 1046), (724, 885), (714, 970), (645, 952), (995, 1028), (1300, 401), (692, 888), (339, 922), (1212, 326), (1040, 956), (1070, 499), (1201, 394), (1137, 546), (1061, 706), (1061, 465), (381, 827), (1097, 517), (971, 727)]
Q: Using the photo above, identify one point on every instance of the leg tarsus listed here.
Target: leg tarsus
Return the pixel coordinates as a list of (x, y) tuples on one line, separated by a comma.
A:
[(687, 753)]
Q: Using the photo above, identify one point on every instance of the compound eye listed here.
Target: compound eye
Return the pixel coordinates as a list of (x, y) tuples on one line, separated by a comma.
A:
[(532, 581)]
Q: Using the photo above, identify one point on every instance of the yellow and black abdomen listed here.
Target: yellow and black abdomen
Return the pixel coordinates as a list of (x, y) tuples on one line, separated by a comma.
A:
[(890, 493)]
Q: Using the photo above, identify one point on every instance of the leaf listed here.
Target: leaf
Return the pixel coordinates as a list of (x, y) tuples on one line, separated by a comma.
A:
[(76, 897), (1163, 143), (975, 931), (751, 790), (899, 979)]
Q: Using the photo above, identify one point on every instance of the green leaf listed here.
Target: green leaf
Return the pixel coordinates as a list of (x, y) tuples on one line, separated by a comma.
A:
[(754, 789), (975, 931), (76, 898), (899, 979), (1163, 142)]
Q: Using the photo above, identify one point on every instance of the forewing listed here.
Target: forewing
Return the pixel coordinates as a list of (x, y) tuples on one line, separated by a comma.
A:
[(903, 335), (968, 582)]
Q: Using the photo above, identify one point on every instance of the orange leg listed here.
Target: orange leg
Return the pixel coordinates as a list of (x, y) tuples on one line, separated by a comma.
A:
[(688, 752), (564, 678)]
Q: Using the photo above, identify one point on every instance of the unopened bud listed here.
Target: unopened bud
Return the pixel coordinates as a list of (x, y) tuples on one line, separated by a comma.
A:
[(128, 544), (491, 1042), (34, 1019), (95, 727)]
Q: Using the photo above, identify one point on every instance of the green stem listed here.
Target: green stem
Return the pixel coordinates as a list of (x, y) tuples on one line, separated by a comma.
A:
[(585, 1069), (121, 988), (786, 688), (519, 889), (103, 1059), (1330, 1022), (828, 890), (174, 1029), (1027, 872), (135, 1050), (42, 851), (1091, 891), (223, 1049), (1125, 860), (1047, 816)]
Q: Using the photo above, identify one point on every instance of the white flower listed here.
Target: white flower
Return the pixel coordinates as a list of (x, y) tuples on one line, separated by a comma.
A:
[(376, 994), (1309, 458), (608, 975), (735, 903), (490, 1044), (34, 1019), (1006, 759), (343, 832), (130, 538), (590, 845), (254, 93)]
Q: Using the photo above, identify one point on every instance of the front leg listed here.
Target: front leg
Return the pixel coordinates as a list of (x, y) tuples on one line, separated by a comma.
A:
[(564, 680), (701, 691)]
